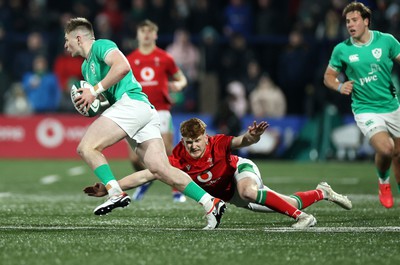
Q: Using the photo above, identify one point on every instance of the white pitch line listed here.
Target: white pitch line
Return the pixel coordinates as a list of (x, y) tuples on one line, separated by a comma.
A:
[(75, 171), (349, 229), (378, 229), (50, 179), (5, 194)]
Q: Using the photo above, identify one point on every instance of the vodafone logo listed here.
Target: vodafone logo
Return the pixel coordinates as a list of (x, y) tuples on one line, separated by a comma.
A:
[(147, 74), (50, 133), (205, 177)]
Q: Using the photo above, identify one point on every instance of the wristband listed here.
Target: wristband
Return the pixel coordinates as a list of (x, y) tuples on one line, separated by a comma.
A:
[(99, 90), (339, 87)]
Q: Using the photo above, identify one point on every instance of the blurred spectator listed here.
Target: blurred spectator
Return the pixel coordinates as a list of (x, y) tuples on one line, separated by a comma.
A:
[(4, 45), (378, 20), (104, 29), (311, 12), (238, 18), (225, 120), (23, 60), (331, 27), (83, 8), (37, 16), (179, 13), (204, 14), (267, 99), (5, 13), (252, 76), (393, 17), (16, 102), (158, 13), (41, 87), (209, 82), (229, 115), (234, 59), (138, 12), (209, 50), (295, 71), (187, 57), (237, 99), (266, 17), (4, 85), (68, 70), (18, 15), (110, 9)]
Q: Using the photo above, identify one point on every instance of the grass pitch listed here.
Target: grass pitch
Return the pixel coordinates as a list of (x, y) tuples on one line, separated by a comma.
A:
[(46, 219)]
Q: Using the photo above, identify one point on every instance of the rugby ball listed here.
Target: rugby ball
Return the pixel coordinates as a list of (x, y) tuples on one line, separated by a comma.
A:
[(94, 107)]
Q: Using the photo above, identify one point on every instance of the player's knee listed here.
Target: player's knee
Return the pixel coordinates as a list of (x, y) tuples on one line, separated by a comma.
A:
[(248, 193), (84, 150), (159, 171), (387, 151), (384, 148), (80, 150)]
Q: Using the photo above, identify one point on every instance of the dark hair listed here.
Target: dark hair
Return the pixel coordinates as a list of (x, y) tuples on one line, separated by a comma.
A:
[(360, 7)]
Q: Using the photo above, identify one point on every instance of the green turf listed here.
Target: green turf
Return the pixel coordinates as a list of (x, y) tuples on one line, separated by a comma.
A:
[(46, 219)]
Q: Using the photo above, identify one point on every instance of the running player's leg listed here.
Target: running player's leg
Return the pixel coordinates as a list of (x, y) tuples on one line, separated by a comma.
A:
[(102, 133)]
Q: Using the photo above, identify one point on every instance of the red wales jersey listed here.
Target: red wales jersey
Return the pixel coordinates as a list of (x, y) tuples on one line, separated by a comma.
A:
[(152, 72), (214, 171)]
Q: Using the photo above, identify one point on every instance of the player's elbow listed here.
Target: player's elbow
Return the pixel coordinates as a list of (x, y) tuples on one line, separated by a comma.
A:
[(123, 70), (326, 79)]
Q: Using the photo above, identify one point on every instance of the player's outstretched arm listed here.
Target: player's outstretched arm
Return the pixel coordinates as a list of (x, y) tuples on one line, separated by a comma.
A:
[(252, 135), (129, 182)]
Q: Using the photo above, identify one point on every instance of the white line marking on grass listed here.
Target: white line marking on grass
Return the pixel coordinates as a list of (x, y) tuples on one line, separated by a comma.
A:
[(378, 229), (5, 194), (75, 171), (349, 181), (49, 179), (302, 180)]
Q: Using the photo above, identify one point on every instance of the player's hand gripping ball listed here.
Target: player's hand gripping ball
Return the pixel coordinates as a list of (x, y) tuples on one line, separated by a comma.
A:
[(94, 107)]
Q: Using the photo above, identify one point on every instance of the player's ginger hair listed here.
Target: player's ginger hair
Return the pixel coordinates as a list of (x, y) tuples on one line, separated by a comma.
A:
[(192, 128)]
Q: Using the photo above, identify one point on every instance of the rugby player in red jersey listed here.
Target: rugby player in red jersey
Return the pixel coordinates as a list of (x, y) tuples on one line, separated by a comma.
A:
[(158, 74), (210, 163)]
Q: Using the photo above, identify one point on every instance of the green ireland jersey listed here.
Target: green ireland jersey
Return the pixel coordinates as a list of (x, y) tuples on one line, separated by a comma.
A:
[(370, 67), (94, 69)]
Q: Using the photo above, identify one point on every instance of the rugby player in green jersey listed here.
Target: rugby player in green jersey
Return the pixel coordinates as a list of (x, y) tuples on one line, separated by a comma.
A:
[(130, 115), (367, 58)]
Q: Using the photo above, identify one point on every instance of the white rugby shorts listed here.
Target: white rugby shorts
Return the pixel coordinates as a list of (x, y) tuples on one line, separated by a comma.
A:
[(138, 119), (372, 123), (165, 121)]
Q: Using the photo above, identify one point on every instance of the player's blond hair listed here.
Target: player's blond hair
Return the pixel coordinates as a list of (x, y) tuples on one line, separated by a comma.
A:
[(79, 23), (192, 128)]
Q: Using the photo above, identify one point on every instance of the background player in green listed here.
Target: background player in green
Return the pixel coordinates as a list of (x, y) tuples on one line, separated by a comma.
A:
[(129, 116), (367, 60)]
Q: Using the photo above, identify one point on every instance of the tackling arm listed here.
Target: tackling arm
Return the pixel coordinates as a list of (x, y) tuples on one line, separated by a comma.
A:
[(129, 182)]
